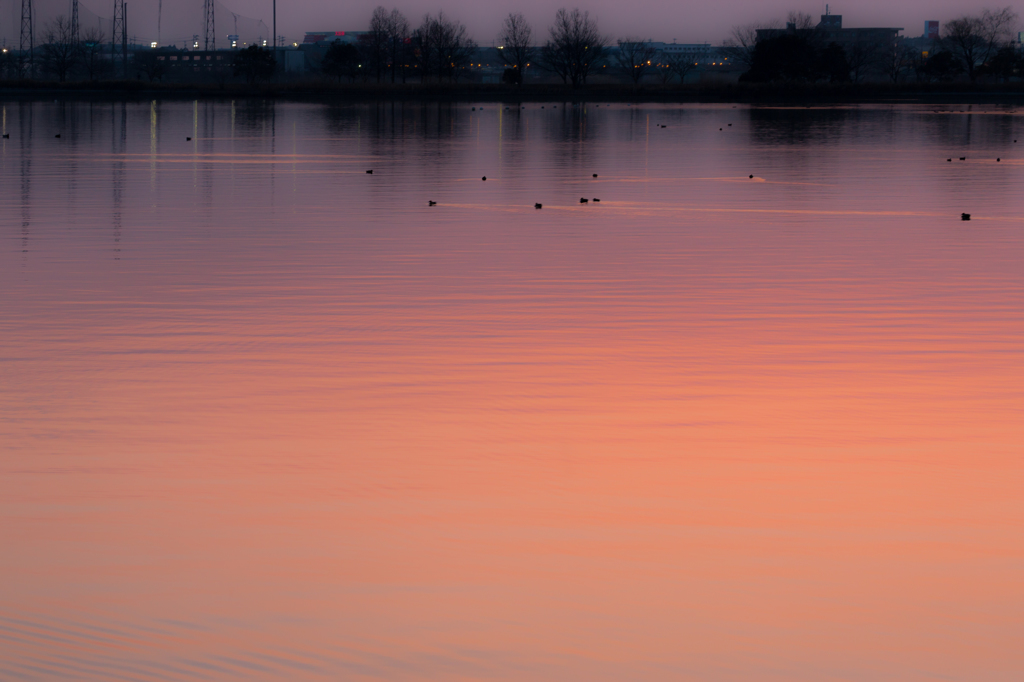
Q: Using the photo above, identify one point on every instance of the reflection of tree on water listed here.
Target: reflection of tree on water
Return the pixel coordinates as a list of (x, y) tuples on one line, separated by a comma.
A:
[(437, 132), (802, 126), (253, 118), (118, 149), (70, 116), (208, 142), (572, 132), (25, 120), (790, 126)]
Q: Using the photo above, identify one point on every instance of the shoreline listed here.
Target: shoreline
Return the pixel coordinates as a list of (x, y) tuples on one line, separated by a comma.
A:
[(731, 93)]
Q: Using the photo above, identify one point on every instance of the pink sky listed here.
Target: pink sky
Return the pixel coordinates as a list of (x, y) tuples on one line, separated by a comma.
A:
[(654, 19)]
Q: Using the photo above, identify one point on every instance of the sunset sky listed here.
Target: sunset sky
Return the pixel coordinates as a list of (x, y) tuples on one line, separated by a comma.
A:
[(654, 19)]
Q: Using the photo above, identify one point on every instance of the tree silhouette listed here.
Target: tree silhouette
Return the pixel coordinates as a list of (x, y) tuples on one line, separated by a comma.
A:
[(341, 59), (255, 64), (515, 48), (59, 52), (635, 57), (574, 48), (973, 40)]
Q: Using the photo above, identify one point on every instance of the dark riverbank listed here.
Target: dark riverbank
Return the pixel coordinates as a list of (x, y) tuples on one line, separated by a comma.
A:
[(791, 94)]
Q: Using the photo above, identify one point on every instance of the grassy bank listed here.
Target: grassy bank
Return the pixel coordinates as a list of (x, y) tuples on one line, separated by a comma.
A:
[(319, 90)]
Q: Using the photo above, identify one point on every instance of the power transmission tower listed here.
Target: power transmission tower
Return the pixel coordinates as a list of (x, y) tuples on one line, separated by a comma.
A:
[(75, 26), (209, 27), (119, 39), (27, 41)]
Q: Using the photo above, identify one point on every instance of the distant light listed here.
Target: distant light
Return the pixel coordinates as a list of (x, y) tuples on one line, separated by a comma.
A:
[(153, 44), (264, 43)]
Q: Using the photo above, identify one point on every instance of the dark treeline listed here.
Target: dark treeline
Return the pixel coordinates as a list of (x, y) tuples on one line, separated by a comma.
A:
[(970, 48), (572, 51), (441, 50)]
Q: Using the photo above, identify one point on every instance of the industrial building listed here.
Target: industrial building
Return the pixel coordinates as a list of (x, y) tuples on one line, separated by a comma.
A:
[(831, 30)]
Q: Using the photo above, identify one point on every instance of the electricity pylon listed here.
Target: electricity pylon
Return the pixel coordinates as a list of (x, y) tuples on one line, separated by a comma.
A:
[(27, 39), (209, 28), (119, 39), (75, 27)]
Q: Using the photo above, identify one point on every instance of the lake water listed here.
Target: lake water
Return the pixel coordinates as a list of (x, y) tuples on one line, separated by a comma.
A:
[(264, 415)]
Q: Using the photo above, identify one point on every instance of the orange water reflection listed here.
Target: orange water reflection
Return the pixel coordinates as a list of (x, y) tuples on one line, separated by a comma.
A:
[(268, 417)]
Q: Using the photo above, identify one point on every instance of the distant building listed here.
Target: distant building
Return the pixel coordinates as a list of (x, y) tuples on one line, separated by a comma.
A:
[(196, 65), (701, 52), (931, 30), (318, 37), (295, 62), (712, 64), (831, 30)]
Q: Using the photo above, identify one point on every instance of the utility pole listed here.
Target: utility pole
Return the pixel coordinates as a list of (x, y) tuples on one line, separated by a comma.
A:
[(209, 25), (27, 37), (275, 30), (75, 28)]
